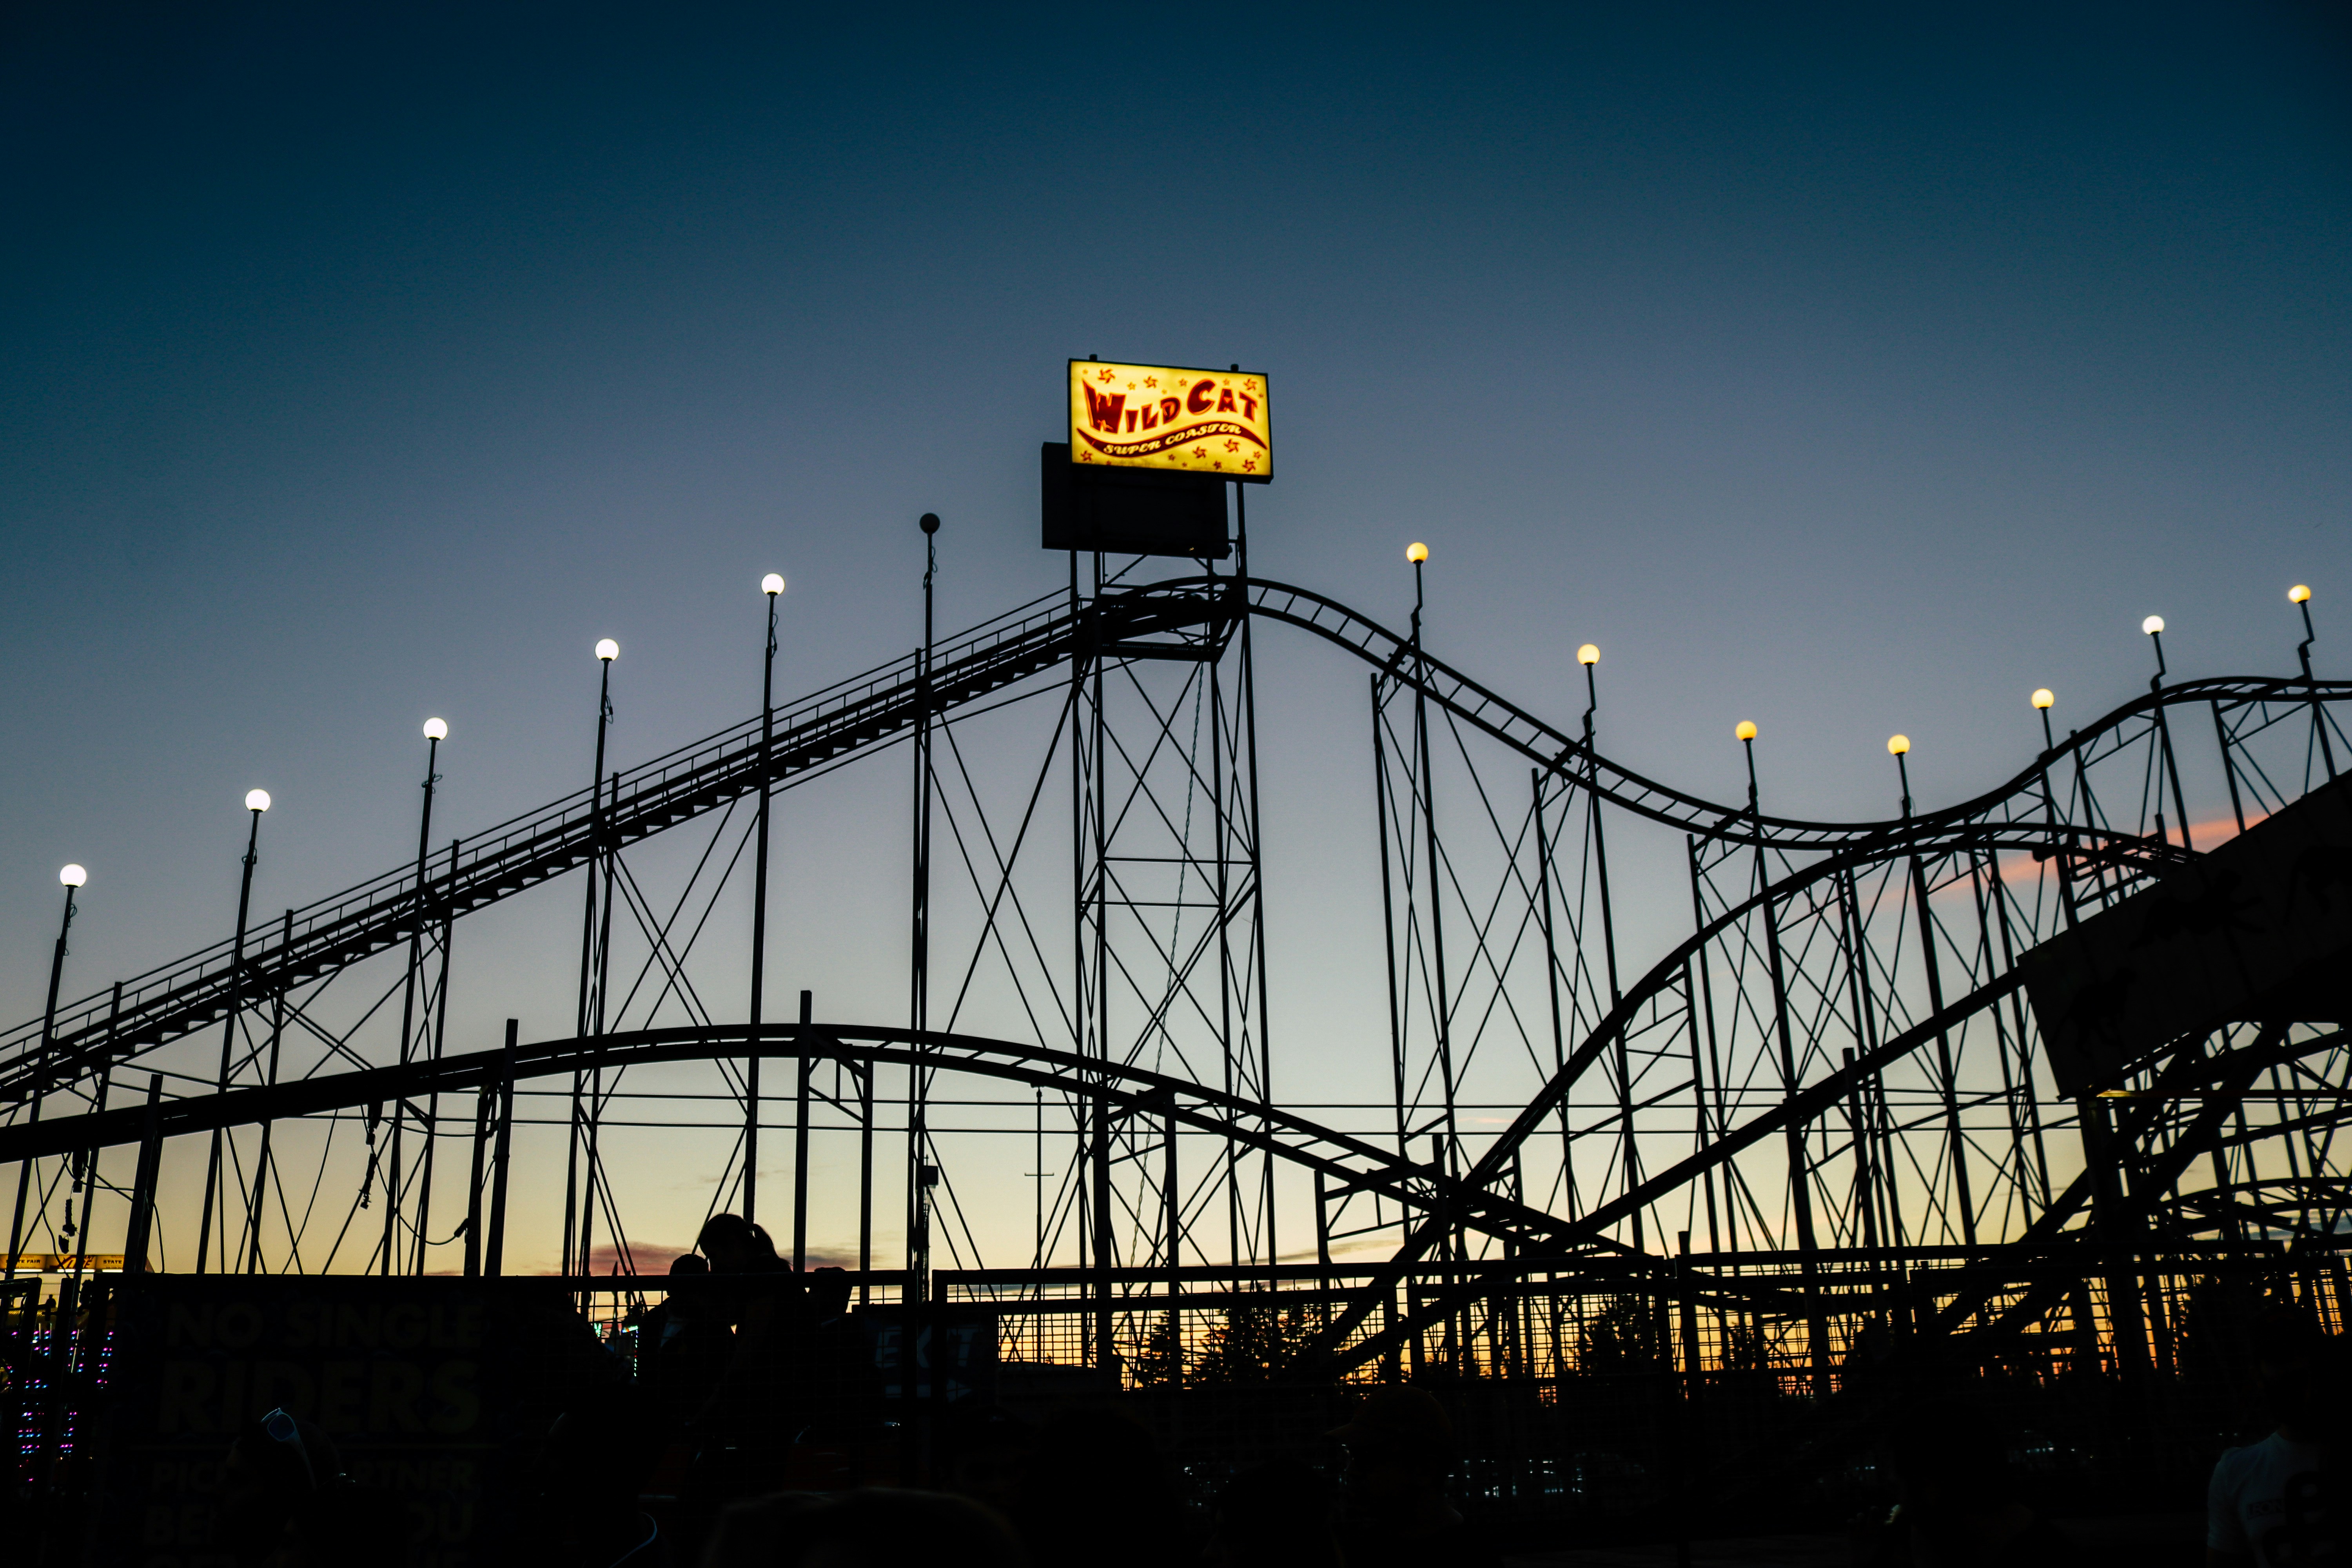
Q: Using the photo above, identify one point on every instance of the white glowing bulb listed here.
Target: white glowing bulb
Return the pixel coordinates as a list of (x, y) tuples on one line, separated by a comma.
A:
[(72, 876), (608, 650), (256, 800), (2153, 625), (437, 729), (773, 584)]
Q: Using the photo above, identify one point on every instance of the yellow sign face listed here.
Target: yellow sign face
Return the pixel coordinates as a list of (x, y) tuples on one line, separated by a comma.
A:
[(1165, 417)]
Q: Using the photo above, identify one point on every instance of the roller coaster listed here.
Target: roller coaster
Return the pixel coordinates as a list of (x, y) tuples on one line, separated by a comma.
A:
[(1819, 1125)]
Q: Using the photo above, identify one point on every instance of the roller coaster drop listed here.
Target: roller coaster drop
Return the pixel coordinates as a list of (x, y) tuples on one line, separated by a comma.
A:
[(1825, 1114)]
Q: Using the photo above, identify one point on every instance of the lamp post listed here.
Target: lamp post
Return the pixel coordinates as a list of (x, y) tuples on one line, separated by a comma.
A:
[(1442, 1006), (257, 801), (1630, 1165), (1899, 748), (2153, 628), (71, 877), (607, 650), (771, 585), (436, 731), (2300, 597), (918, 967), (1800, 1188)]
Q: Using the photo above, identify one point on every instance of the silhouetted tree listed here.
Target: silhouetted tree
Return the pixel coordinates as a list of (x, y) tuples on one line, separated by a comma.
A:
[(1623, 1336), (1253, 1343), (1161, 1360)]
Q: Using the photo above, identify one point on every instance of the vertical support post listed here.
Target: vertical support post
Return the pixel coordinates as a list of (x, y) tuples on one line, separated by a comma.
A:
[(588, 966), (760, 909), (1388, 926), (918, 966), (392, 1192), (864, 1073), (1322, 1255), (483, 1098), (1105, 1357), (1800, 1176), (142, 1183), (1256, 852), (440, 1026), (1171, 1210), (493, 1248), (1551, 987), (261, 1158), (1956, 1140), (48, 1034), (801, 1143), (89, 1158)]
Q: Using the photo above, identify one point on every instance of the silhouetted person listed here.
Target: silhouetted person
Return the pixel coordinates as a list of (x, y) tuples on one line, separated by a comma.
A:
[(1093, 1491), (684, 1344), (875, 1528), (2283, 1500), (1282, 1515), (285, 1502), (1400, 1452), (1960, 1507)]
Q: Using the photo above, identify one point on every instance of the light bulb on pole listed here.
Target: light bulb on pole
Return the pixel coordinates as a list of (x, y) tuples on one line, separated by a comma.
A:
[(2154, 628), (608, 650), (773, 584), (257, 801), (436, 730), (2044, 698), (1899, 748), (72, 876)]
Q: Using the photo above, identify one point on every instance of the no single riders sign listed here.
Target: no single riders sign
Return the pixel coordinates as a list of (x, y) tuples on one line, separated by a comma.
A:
[(1166, 416)]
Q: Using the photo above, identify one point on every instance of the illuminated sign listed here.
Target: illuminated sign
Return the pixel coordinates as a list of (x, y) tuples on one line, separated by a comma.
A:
[(1165, 417)]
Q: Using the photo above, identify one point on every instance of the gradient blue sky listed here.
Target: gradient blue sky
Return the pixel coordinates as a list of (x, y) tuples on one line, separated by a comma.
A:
[(1847, 368)]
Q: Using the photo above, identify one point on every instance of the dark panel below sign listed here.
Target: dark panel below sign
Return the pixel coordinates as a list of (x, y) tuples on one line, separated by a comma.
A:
[(1131, 511), (431, 1389), (2260, 930)]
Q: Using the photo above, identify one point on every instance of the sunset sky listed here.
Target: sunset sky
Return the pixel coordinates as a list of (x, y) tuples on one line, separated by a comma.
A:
[(1849, 370)]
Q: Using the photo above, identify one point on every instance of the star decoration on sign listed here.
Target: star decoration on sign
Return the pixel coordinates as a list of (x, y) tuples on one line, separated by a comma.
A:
[(1200, 451), (1249, 465), (1233, 445), (1151, 381), (1106, 378)]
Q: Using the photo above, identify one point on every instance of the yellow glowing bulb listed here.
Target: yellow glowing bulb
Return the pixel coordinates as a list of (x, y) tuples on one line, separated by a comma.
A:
[(1747, 731), (1897, 744), (2153, 625), (2300, 594), (1587, 654), (2043, 697), (1416, 552)]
